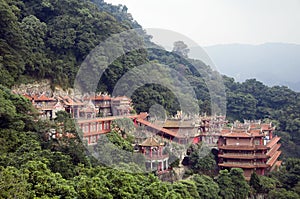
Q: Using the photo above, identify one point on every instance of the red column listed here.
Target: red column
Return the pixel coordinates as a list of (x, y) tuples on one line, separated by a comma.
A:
[(151, 152), (160, 148), (102, 125)]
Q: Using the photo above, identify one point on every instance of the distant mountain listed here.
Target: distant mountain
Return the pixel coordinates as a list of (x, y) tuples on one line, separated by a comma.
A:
[(271, 63)]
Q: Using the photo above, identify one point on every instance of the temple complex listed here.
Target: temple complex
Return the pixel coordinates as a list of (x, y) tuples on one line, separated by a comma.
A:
[(86, 107), (250, 145)]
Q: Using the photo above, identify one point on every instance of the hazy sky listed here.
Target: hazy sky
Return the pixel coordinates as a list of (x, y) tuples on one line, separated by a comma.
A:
[(210, 22)]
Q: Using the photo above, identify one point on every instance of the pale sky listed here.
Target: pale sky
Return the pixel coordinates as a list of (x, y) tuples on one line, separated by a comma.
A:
[(210, 22)]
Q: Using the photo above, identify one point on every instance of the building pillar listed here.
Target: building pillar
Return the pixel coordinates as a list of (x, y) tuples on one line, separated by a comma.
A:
[(102, 125), (158, 151), (167, 164), (151, 166), (151, 152), (89, 127)]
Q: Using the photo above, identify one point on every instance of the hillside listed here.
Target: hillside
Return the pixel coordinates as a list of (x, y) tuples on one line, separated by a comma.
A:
[(271, 63), (51, 39)]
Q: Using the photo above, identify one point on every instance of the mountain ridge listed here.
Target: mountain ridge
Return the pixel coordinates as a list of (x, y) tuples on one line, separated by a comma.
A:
[(245, 61)]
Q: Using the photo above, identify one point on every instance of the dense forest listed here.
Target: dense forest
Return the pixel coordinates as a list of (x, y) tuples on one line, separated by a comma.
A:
[(41, 39)]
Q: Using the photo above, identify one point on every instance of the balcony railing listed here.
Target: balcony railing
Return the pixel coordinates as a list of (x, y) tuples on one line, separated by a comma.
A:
[(243, 156), (243, 165), (156, 157), (243, 147)]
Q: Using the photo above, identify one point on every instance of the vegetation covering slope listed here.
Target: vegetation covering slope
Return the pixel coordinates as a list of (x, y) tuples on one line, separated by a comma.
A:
[(50, 39)]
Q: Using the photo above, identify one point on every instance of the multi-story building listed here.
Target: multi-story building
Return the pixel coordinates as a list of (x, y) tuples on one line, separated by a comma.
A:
[(156, 160), (250, 146)]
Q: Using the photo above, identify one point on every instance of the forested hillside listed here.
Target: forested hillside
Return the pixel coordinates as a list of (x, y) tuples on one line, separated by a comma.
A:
[(49, 39), (43, 39), (32, 166)]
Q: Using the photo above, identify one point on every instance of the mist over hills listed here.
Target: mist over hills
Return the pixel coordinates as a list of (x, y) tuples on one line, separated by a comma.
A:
[(271, 63)]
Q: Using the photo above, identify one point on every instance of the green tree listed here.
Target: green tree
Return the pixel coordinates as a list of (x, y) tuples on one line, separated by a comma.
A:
[(186, 189), (282, 194), (240, 185), (226, 186), (13, 184), (181, 48), (206, 187), (255, 183)]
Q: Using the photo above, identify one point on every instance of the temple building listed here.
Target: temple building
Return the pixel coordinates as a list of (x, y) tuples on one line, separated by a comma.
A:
[(250, 146), (186, 130), (47, 106), (103, 103), (156, 160), (210, 129), (121, 105)]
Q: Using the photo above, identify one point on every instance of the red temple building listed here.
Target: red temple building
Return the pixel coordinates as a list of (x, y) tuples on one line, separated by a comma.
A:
[(250, 146), (93, 128), (153, 152)]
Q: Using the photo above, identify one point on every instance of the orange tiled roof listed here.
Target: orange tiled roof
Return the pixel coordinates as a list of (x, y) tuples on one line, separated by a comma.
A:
[(178, 124), (42, 98), (150, 142), (274, 158), (273, 142), (72, 102), (120, 98), (27, 96), (98, 98), (167, 131), (236, 134)]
